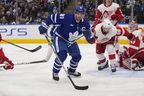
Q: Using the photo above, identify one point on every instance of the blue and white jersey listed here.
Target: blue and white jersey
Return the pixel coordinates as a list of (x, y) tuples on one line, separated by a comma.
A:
[(68, 28)]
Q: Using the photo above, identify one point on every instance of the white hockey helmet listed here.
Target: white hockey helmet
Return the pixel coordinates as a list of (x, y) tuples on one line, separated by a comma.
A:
[(107, 25), (133, 25)]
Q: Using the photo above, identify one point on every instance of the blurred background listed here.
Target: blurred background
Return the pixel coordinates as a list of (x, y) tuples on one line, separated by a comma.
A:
[(35, 11)]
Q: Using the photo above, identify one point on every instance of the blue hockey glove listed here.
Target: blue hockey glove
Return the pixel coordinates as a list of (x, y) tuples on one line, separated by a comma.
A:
[(43, 28), (89, 36)]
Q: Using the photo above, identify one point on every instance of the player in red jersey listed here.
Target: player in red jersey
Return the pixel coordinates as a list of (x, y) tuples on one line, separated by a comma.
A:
[(133, 57), (105, 34), (108, 10), (4, 60)]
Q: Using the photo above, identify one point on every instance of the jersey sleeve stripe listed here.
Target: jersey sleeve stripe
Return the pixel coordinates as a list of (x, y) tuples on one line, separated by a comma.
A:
[(55, 18), (44, 25), (57, 45), (52, 18), (134, 47)]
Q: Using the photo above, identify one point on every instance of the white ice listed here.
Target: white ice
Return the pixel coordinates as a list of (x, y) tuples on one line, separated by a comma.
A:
[(36, 79)]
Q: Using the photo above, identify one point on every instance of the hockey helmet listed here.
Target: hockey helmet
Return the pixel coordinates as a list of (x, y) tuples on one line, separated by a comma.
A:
[(79, 9), (107, 3), (133, 25), (107, 25)]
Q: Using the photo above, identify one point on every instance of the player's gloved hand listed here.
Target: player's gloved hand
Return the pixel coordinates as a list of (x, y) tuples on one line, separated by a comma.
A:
[(131, 37), (8, 65), (92, 40), (0, 37), (89, 36), (125, 54), (92, 29), (115, 17), (42, 30)]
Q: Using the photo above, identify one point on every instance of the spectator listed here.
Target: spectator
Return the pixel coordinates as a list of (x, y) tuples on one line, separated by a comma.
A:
[(32, 7)]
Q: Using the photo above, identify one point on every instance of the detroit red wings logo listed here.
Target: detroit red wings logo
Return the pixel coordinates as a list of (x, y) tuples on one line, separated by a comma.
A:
[(107, 14)]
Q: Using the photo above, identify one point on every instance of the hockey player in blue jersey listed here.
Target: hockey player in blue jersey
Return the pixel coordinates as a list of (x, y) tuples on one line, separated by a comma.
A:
[(71, 26)]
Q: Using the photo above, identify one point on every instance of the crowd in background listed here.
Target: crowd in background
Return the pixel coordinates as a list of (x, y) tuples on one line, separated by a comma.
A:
[(35, 11), (138, 10), (91, 5), (28, 11)]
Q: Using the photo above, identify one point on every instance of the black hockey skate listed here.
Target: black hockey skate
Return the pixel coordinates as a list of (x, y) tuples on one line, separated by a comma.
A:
[(75, 74), (113, 68), (103, 67), (55, 76)]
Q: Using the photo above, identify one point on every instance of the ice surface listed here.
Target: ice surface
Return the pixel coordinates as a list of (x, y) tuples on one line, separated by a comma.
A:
[(36, 79)]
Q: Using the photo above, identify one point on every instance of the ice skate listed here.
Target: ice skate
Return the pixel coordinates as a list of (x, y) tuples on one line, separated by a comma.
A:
[(55, 76), (101, 67), (75, 74), (113, 67)]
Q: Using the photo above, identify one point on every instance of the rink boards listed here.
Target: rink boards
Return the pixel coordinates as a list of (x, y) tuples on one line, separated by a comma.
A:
[(25, 34)]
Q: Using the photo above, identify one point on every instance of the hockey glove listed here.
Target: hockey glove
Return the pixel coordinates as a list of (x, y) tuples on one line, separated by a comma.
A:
[(113, 17), (43, 28), (3, 59), (131, 37), (116, 17), (8, 65), (92, 29), (89, 36)]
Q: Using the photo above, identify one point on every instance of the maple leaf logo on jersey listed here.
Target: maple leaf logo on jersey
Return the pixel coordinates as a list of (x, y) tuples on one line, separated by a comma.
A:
[(73, 36), (107, 14)]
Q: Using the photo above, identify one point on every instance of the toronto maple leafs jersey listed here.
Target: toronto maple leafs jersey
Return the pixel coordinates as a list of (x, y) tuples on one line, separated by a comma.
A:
[(68, 28)]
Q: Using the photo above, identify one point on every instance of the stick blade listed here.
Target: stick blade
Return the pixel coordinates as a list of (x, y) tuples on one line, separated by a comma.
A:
[(81, 87), (36, 49)]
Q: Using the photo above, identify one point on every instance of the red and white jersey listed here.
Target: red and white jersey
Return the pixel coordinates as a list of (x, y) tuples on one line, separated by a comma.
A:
[(112, 12), (137, 43), (101, 37)]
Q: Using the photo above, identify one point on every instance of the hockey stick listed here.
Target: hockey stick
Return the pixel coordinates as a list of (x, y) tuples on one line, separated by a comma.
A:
[(30, 50), (26, 63), (49, 54), (75, 86), (32, 62)]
